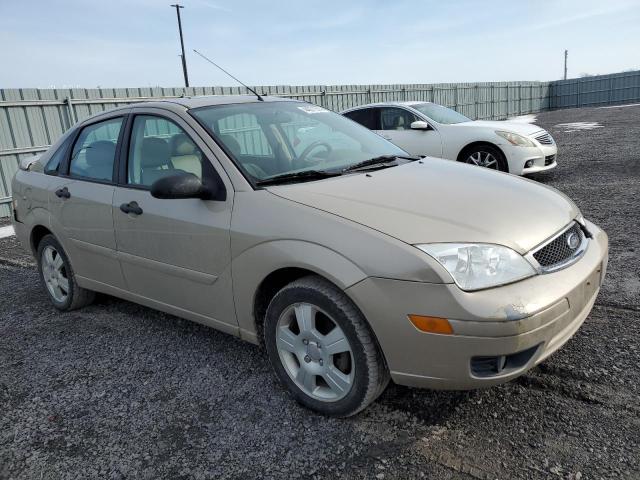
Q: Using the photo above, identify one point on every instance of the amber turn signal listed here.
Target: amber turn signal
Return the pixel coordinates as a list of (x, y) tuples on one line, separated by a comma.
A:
[(431, 324)]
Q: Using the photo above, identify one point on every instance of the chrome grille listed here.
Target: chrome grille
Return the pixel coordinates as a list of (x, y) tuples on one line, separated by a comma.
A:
[(544, 138), (559, 251)]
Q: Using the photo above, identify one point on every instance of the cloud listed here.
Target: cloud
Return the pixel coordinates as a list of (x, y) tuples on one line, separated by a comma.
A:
[(561, 20), (208, 4)]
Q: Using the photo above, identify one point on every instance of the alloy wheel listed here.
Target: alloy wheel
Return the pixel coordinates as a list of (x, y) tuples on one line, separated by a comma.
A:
[(483, 159), (54, 273), (315, 352)]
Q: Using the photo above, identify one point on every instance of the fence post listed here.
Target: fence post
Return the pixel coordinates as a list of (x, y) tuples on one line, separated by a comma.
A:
[(610, 90), (70, 112), (323, 98), (456, 98), (369, 94), (475, 100), (493, 102), (507, 112), (578, 93), (404, 94), (519, 99)]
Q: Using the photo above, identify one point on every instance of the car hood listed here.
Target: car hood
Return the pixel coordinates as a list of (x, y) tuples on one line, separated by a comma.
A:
[(516, 127), (441, 201)]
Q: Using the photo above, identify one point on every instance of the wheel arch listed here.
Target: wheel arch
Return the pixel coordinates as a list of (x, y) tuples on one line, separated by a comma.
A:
[(38, 232), (269, 287), (260, 272), (479, 143)]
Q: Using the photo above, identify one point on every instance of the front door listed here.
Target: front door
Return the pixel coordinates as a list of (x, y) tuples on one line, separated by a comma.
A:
[(396, 127), (175, 253), (80, 200)]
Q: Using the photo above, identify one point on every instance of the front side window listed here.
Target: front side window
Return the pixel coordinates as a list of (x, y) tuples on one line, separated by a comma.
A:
[(94, 151), (160, 148), (397, 119), (440, 114), (276, 138), (367, 117)]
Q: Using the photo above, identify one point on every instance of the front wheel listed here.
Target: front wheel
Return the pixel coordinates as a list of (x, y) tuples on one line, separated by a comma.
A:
[(322, 349), (486, 156)]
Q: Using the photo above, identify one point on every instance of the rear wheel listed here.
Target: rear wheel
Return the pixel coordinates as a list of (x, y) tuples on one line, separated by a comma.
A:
[(486, 156), (58, 278), (322, 349)]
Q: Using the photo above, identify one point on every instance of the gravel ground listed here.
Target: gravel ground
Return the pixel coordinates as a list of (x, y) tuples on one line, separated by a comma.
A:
[(121, 391)]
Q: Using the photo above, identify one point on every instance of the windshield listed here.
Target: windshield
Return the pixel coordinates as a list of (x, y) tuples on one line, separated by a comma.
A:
[(269, 139), (440, 114)]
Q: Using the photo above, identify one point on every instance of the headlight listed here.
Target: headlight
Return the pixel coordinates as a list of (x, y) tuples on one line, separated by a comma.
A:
[(475, 266), (515, 139)]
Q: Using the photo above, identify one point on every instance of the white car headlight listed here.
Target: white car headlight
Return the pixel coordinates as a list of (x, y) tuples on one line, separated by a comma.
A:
[(475, 266), (515, 139)]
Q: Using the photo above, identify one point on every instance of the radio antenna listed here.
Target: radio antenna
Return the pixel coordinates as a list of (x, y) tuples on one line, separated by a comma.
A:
[(218, 66)]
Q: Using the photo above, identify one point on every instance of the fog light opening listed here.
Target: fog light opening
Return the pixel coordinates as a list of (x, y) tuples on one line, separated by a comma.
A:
[(528, 164), (489, 366)]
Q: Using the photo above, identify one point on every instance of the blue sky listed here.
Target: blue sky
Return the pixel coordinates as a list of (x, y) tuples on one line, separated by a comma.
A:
[(115, 43)]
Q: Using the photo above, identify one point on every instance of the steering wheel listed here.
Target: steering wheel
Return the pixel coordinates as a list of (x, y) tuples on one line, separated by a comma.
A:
[(302, 158)]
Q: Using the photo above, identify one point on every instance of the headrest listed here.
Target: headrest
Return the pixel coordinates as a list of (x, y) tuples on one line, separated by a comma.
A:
[(232, 144), (182, 145), (155, 153), (101, 152)]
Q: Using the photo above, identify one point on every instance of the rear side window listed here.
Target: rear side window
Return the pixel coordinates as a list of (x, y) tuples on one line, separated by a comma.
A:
[(367, 117), (94, 151)]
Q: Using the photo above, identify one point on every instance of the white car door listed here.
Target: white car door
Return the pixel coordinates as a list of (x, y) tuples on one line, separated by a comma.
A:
[(396, 127)]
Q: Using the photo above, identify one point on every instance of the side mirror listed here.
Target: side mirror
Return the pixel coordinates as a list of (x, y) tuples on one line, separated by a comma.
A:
[(185, 185), (420, 125)]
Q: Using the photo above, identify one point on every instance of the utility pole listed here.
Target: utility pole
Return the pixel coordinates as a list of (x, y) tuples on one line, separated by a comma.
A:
[(184, 59), (566, 53)]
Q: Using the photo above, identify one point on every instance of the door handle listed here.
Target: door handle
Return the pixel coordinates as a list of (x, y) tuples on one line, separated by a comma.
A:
[(131, 207), (63, 193)]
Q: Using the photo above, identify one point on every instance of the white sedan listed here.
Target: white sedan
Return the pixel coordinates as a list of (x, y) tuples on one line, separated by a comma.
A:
[(425, 128)]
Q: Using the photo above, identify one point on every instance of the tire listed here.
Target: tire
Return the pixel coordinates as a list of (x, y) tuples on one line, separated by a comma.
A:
[(483, 155), (57, 277), (340, 353)]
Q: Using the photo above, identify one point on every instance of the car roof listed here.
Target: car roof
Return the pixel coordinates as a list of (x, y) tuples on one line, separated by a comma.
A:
[(209, 100), (408, 103), (189, 103)]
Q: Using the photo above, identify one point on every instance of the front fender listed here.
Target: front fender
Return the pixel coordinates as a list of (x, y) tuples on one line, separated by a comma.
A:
[(252, 266)]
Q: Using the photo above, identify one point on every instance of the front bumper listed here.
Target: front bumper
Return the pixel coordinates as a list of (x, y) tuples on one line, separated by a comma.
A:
[(527, 160), (526, 321)]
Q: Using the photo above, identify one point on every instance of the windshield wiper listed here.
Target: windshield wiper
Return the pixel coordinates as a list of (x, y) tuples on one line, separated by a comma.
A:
[(382, 160), (293, 177)]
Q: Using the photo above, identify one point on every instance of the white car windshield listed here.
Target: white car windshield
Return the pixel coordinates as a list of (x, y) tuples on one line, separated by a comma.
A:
[(269, 139), (440, 114)]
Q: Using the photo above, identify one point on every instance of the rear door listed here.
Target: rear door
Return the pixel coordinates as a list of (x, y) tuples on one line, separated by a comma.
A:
[(80, 201), (396, 127), (175, 253)]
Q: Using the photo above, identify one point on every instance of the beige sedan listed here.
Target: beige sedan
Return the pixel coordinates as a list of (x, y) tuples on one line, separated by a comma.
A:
[(293, 227)]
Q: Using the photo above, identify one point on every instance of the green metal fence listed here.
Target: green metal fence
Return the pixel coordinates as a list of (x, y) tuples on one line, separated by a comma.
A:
[(33, 119)]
